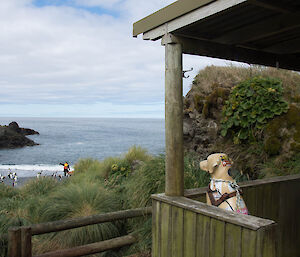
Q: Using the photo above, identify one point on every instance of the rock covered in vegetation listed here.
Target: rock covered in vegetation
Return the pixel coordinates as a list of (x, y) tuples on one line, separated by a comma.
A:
[(277, 135), (12, 136), (282, 134)]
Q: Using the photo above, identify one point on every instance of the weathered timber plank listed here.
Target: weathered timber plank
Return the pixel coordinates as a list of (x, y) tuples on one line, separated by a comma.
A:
[(216, 239), (273, 210), (245, 194), (246, 221), (196, 194), (269, 180), (296, 186), (288, 221), (283, 220), (14, 242), (190, 220), (173, 120), (199, 192), (156, 229), (92, 248), (166, 230), (203, 235), (251, 200), (266, 244), (26, 247), (248, 243), (177, 232), (232, 240), (294, 212), (260, 196), (55, 226)]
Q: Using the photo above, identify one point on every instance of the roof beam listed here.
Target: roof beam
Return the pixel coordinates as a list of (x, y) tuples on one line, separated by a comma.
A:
[(285, 47), (191, 17), (166, 14), (266, 28), (216, 50), (272, 5)]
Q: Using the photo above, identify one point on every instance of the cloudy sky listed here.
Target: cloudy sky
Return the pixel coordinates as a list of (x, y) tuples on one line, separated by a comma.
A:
[(77, 58)]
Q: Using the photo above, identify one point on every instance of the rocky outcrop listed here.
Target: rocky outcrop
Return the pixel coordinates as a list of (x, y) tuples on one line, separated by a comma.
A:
[(12, 136), (277, 141), (201, 121)]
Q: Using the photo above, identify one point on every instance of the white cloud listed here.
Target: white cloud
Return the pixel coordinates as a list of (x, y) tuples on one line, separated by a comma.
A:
[(99, 3), (55, 55)]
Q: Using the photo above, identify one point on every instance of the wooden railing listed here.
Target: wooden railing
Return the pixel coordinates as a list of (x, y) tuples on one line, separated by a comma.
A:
[(184, 227), (19, 238)]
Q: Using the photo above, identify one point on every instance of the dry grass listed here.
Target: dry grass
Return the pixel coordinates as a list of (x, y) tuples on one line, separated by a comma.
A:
[(228, 76)]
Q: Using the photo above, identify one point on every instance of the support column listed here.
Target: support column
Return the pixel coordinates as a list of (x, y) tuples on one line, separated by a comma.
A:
[(173, 117)]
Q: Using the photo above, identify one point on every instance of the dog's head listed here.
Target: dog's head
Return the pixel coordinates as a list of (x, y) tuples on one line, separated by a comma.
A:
[(214, 160)]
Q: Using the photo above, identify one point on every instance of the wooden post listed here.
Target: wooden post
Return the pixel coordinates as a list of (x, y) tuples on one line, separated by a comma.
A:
[(14, 242), (173, 116), (26, 242)]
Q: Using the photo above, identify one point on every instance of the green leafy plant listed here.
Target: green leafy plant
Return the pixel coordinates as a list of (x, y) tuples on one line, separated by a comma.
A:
[(250, 105)]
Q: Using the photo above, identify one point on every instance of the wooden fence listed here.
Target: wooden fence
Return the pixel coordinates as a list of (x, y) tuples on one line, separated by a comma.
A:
[(185, 226), (19, 238), (182, 226)]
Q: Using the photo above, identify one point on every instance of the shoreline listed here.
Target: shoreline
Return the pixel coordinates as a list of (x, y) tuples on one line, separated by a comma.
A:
[(22, 181)]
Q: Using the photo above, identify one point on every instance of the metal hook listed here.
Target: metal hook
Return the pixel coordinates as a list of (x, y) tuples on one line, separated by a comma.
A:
[(184, 71)]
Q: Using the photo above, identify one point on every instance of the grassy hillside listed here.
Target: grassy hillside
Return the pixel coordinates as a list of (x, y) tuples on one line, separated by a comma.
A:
[(115, 183), (256, 115)]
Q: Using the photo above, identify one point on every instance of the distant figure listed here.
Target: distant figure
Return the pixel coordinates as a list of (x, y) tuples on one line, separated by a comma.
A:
[(59, 177), (66, 168), (10, 175), (39, 174), (2, 178), (15, 180), (54, 174)]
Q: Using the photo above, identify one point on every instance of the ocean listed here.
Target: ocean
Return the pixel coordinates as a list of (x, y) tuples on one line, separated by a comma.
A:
[(71, 139)]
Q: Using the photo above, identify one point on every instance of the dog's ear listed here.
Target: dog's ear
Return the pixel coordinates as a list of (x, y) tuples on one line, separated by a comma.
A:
[(203, 165)]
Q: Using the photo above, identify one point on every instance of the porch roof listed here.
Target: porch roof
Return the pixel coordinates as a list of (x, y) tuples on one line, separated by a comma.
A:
[(265, 32)]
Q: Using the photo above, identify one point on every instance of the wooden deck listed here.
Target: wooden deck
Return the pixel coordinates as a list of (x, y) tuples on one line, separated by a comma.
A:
[(183, 226)]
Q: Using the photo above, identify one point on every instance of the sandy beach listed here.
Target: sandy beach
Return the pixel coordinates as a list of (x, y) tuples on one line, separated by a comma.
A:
[(24, 180)]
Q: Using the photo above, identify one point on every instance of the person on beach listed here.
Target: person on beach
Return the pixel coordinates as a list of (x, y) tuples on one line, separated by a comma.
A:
[(66, 168), (39, 174), (10, 175), (2, 178), (15, 180)]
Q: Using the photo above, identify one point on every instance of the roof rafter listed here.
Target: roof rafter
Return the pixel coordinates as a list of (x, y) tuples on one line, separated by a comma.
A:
[(240, 54), (191, 17), (262, 29), (272, 5), (289, 46)]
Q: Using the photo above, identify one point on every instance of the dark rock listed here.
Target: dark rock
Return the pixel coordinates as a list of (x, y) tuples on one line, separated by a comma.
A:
[(12, 136), (14, 126), (27, 131)]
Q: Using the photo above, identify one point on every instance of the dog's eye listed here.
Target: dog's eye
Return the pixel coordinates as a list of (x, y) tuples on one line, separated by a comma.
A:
[(229, 172)]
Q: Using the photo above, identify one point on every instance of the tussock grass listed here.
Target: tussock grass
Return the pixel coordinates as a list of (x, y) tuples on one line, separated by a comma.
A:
[(72, 201), (228, 76), (95, 168), (40, 186), (100, 170), (137, 153), (7, 191)]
